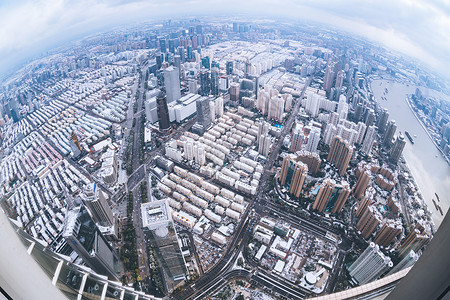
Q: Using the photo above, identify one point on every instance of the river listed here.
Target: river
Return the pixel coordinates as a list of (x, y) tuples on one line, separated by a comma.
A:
[(429, 169)]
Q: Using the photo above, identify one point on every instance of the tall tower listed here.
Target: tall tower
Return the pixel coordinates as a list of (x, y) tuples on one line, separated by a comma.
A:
[(297, 137), (340, 154), (382, 121), (369, 221), (214, 83), (172, 83), (339, 79), (389, 134), (362, 183), (341, 192), (219, 106), (370, 265), (408, 261), (324, 194), (84, 237), (331, 196), (293, 175), (203, 113), (229, 67), (205, 86), (370, 117), (313, 140), (368, 140), (163, 113), (397, 149), (95, 201), (234, 94), (415, 240), (388, 232), (363, 205), (158, 225)]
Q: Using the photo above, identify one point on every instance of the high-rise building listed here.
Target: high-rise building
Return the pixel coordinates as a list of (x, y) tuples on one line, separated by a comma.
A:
[(177, 63), (212, 109), (382, 121), (369, 221), (219, 107), (324, 194), (206, 63), (214, 82), (162, 44), (188, 147), (297, 137), (158, 226), (190, 53), (388, 232), (312, 160), (331, 197), (229, 67), (224, 84), (95, 201), (193, 87), (361, 129), (163, 113), (199, 154), (262, 100), (370, 265), (408, 261), (293, 174), (205, 86), (328, 78), (313, 139), (397, 149), (358, 112), (172, 83), (340, 154), (362, 183), (110, 166), (415, 240), (368, 140), (276, 108), (370, 117), (342, 109), (203, 113), (234, 94), (389, 134), (264, 144), (84, 237), (339, 79), (313, 104), (363, 205), (339, 197)]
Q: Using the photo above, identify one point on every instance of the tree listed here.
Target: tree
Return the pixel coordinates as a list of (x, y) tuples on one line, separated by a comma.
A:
[(240, 262)]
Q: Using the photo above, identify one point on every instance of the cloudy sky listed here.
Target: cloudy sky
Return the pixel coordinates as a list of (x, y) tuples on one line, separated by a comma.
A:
[(418, 28)]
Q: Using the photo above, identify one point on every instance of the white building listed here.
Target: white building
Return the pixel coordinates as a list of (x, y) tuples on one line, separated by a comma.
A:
[(370, 265), (368, 140)]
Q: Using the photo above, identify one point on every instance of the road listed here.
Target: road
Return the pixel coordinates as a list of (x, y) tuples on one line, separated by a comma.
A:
[(141, 245)]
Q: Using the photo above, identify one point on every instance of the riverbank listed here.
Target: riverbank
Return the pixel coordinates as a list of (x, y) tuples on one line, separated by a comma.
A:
[(407, 98), (429, 169)]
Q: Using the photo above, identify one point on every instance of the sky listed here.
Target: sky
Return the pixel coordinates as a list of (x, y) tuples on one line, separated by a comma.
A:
[(417, 28)]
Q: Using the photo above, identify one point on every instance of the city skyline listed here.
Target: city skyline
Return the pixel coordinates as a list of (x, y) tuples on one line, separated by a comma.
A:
[(183, 155), (42, 25)]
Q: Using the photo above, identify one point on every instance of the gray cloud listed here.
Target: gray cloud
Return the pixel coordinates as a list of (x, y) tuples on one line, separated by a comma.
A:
[(418, 28)]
